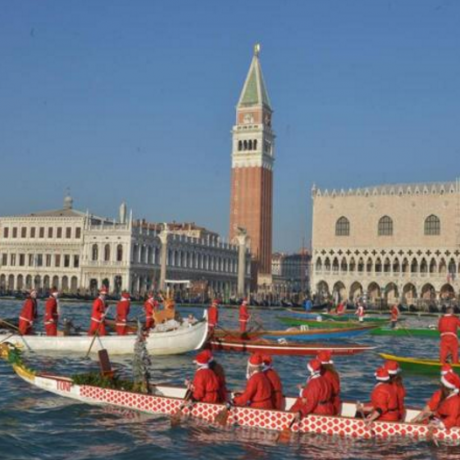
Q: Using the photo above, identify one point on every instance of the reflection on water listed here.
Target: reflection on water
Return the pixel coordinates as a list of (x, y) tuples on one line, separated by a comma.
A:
[(39, 425)]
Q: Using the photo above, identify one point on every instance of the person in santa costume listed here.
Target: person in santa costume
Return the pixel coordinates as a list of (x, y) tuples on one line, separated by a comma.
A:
[(28, 313), (443, 409), (274, 378), (98, 314), (150, 306), (220, 374), (394, 372), (123, 307), (213, 315), (395, 314), (315, 397), (52, 313), (360, 312), (244, 316), (448, 328), (329, 372), (341, 308), (205, 384), (384, 400), (258, 392)]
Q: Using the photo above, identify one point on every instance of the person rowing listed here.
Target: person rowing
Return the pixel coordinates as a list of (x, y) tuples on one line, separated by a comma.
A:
[(332, 376), (360, 312), (218, 369), (205, 385), (395, 314), (315, 397), (274, 378), (384, 400), (150, 305), (123, 308), (341, 308), (244, 316), (52, 313), (97, 325), (29, 314), (258, 391), (443, 409), (448, 328), (213, 315), (396, 379)]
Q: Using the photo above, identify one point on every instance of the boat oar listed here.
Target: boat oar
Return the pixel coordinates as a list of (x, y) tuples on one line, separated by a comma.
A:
[(285, 435), (176, 417), (96, 334), (222, 416), (18, 331)]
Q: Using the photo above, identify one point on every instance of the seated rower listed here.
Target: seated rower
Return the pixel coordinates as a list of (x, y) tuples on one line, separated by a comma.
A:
[(384, 400), (443, 409), (205, 385), (277, 386), (220, 374), (258, 392), (315, 398), (123, 307), (395, 379), (331, 375)]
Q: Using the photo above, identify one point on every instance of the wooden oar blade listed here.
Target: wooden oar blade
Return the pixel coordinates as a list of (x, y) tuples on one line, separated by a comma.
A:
[(285, 436), (176, 419), (222, 417)]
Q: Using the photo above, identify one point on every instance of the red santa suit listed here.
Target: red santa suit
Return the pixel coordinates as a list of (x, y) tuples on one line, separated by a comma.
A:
[(341, 307), (384, 398), (51, 315), (123, 307), (333, 378), (205, 384), (150, 306), (393, 369), (360, 313), (27, 316), (448, 328), (97, 317), (447, 410), (244, 316), (315, 398), (274, 378), (213, 315), (258, 392)]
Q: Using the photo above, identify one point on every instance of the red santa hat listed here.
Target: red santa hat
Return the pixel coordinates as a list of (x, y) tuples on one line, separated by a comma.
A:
[(314, 366), (215, 302), (125, 295), (446, 368), (325, 357), (452, 381), (255, 360), (209, 355), (267, 360), (103, 290), (203, 358), (382, 375), (392, 367)]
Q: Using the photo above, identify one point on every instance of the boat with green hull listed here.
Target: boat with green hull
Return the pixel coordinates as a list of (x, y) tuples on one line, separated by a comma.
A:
[(403, 332), (419, 365), (311, 323)]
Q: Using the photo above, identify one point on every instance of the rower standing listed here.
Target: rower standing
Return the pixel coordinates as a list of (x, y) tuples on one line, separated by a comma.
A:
[(448, 328), (98, 314), (150, 306), (443, 409), (277, 386), (384, 400), (395, 314), (332, 376), (205, 385), (395, 379), (52, 313), (213, 315), (244, 316), (341, 308), (28, 314), (123, 307), (258, 392), (360, 312)]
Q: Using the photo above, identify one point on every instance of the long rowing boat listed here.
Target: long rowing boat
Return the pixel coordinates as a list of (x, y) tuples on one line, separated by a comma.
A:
[(167, 400), (319, 334), (274, 347), (419, 365), (330, 324), (187, 337), (409, 332)]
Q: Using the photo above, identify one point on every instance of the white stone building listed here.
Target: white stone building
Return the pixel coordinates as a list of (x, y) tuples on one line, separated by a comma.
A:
[(78, 252), (387, 243)]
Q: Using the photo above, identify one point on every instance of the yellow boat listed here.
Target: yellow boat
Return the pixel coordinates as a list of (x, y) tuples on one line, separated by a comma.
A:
[(419, 365)]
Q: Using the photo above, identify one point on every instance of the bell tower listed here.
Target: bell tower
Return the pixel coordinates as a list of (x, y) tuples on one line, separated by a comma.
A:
[(252, 168)]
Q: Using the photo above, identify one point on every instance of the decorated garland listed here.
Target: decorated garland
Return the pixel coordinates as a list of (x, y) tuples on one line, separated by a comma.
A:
[(97, 380)]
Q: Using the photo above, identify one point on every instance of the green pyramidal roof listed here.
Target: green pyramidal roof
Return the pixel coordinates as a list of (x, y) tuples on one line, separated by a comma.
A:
[(254, 90)]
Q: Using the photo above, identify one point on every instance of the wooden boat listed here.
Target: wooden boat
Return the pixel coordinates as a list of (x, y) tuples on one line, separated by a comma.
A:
[(331, 316), (181, 340), (329, 324), (167, 400), (273, 347), (412, 332), (419, 365)]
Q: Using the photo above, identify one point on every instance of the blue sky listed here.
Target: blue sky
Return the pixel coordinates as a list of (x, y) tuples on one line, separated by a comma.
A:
[(135, 101)]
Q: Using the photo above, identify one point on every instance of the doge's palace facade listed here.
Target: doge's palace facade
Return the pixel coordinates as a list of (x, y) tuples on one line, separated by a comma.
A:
[(387, 243)]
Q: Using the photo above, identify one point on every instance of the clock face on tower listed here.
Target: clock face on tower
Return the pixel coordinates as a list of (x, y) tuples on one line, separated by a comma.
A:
[(248, 118)]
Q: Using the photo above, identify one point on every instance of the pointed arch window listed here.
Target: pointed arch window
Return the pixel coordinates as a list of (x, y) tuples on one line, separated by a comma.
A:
[(432, 225), (342, 227), (385, 226)]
